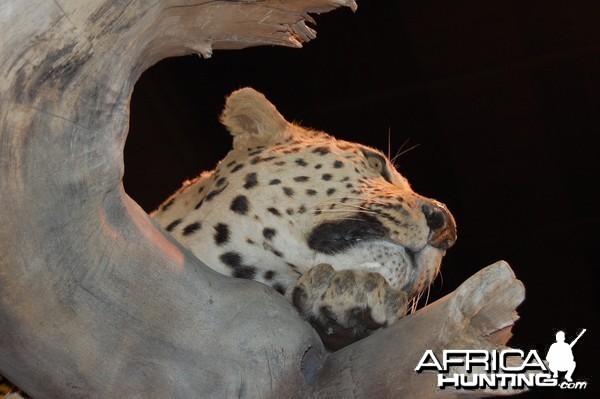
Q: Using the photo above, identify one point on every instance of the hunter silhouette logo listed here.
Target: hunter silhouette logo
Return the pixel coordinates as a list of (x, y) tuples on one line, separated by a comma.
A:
[(560, 356)]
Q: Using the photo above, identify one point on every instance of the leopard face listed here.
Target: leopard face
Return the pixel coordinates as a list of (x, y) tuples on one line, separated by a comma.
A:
[(287, 198)]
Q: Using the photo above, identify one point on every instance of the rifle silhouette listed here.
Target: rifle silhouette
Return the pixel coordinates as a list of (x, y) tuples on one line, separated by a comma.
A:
[(576, 339)]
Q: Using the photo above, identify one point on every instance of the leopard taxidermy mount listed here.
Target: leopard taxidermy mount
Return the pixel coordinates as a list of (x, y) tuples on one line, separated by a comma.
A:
[(330, 224)]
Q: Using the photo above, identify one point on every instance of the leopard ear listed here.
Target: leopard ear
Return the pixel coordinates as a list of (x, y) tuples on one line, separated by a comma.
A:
[(252, 119)]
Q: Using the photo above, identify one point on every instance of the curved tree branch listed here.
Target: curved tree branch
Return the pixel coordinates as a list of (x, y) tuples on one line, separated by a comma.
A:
[(95, 300)]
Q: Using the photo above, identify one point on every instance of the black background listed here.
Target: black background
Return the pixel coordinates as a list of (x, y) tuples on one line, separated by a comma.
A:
[(502, 98)]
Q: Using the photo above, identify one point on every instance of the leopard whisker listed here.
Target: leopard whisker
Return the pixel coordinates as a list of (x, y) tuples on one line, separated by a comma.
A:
[(342, 200), (349, 218), (337, 200), (327, 203), (416, 301), (338, 211), (439, 272), (347, 206), (389, 148), (401, 152), (427, 296), (359, 199), (411, 307)]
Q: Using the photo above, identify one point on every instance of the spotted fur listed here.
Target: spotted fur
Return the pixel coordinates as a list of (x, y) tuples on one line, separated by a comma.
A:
[(286, 199)]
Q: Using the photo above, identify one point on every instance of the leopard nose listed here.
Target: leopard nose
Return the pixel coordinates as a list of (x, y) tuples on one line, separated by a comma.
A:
[(442, 227)]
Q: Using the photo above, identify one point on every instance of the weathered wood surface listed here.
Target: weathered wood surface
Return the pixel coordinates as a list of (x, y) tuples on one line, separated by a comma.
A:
[(95, 301)]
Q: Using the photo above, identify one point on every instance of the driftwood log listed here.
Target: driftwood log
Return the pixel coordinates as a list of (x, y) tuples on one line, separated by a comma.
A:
[(95, 300)]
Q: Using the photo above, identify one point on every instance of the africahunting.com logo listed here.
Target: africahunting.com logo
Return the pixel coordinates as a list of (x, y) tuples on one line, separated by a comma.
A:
[(505, 369)]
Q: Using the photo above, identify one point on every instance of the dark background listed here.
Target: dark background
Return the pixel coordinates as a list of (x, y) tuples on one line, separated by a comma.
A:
[(502, 98)]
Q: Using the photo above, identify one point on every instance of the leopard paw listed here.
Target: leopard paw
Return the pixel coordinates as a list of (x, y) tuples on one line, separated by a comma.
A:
[(347, 305)]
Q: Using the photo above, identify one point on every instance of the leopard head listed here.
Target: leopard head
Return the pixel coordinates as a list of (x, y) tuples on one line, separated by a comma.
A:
[(308, 198)]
